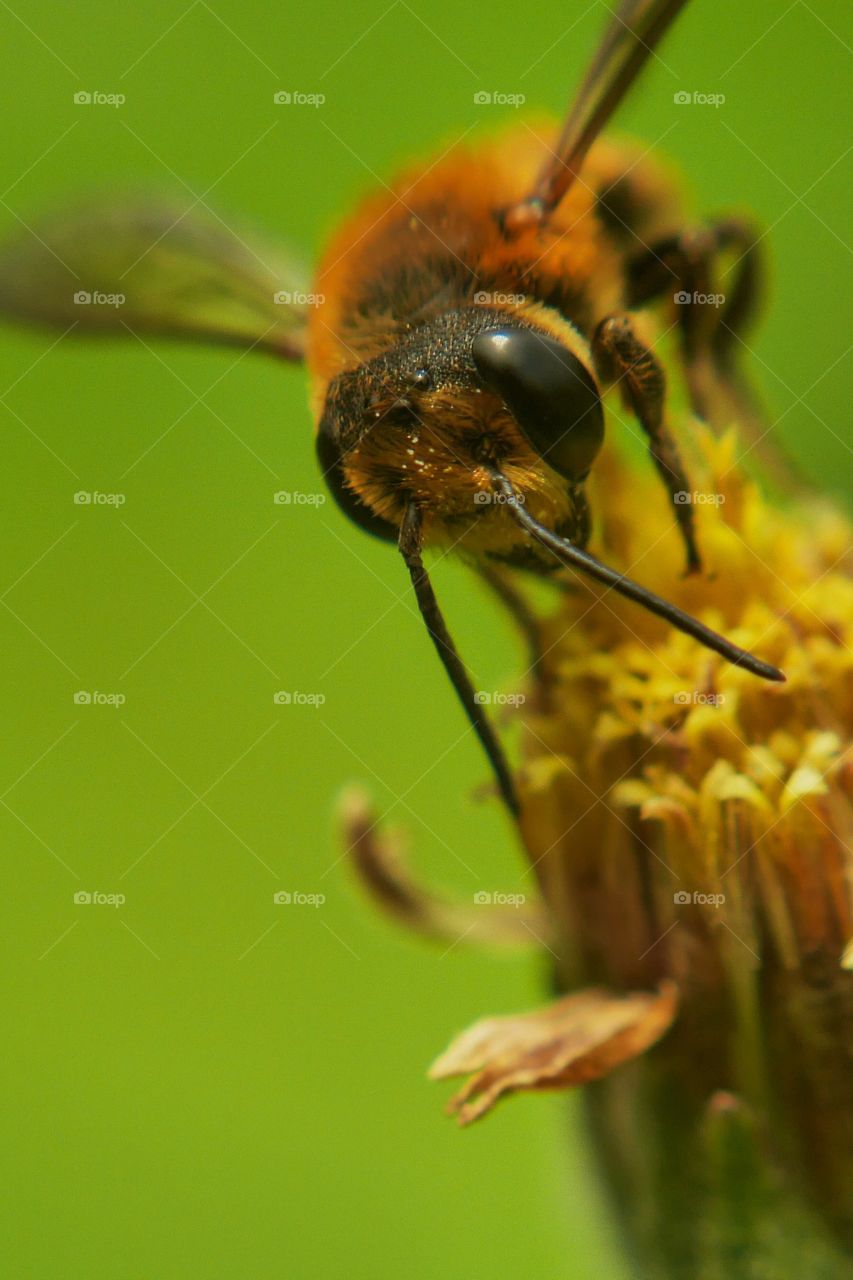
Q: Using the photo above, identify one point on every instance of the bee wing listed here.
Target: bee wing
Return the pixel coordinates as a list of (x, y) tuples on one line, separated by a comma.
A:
[(629, 40), (116, 266)]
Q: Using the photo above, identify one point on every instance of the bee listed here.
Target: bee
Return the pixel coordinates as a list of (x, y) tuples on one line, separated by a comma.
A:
[(472, 317)]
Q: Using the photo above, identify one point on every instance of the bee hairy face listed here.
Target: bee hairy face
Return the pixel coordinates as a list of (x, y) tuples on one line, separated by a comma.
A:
[(428, 419)]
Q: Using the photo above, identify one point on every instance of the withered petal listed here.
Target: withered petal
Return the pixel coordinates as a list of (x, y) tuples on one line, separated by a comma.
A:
[(576, 1039), (377, 857)]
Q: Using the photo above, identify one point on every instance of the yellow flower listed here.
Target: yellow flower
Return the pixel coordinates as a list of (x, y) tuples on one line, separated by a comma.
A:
[(689, 826)]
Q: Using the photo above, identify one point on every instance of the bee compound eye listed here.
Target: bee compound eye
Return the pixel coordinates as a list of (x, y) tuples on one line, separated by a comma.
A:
[(550, 393)]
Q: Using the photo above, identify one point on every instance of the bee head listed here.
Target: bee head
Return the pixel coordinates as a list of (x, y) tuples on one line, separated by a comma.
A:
[(471, 387)]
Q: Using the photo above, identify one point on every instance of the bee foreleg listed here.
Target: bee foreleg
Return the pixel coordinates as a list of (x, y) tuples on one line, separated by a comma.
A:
[(621, 358), (410, 544)]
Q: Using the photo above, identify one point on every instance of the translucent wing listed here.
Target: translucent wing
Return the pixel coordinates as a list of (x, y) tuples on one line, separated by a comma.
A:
[(147, 265), (629, 40)]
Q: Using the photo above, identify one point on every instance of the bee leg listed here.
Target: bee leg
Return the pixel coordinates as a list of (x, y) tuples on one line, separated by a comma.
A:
[(410, 544), (621, 358), (683, 265), (681, 268)]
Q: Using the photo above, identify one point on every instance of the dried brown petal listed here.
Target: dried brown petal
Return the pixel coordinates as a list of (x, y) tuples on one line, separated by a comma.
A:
[(578, 1038), (377, 857)]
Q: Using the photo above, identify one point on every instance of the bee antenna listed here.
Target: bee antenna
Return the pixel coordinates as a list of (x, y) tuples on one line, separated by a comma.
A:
[(576, 558), (410, 544)]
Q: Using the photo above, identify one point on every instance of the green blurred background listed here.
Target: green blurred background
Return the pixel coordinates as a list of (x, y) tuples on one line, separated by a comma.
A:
[(199, 1083)]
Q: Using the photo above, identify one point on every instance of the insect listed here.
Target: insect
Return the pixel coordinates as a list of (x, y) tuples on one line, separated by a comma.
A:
[(475, 314)]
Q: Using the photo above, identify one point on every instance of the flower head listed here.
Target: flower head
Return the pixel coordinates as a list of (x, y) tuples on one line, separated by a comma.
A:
[(689, 828)]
